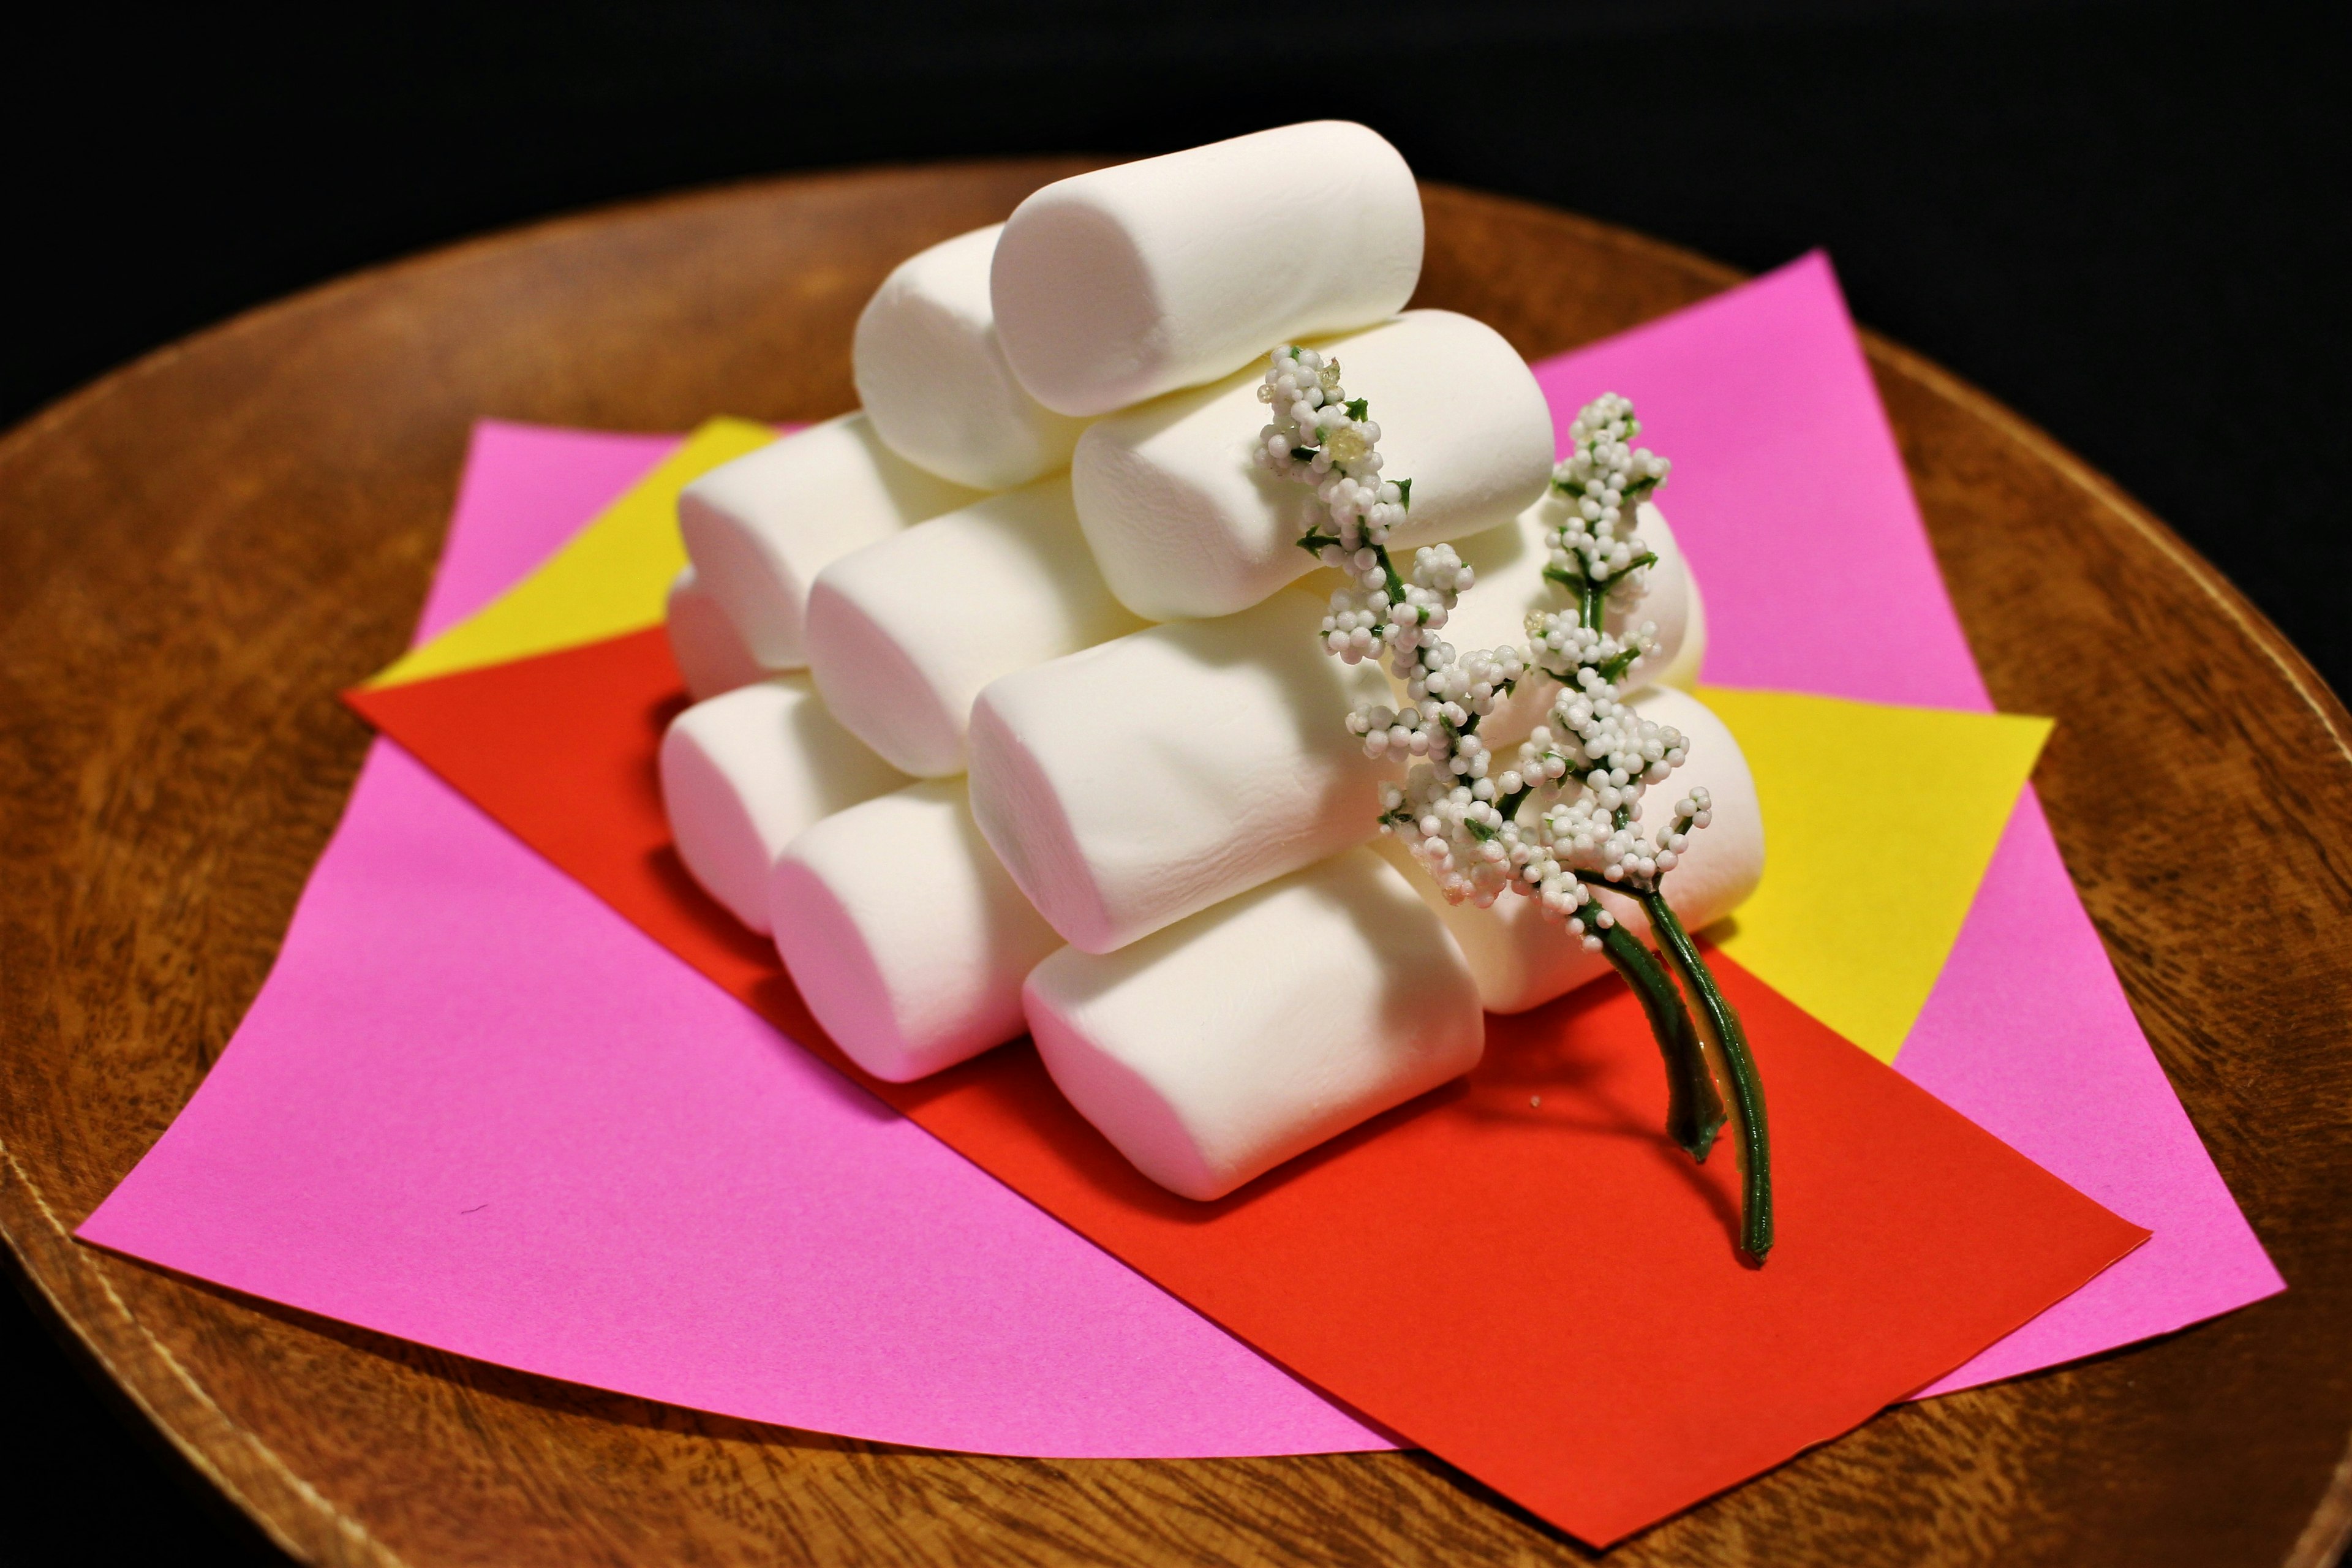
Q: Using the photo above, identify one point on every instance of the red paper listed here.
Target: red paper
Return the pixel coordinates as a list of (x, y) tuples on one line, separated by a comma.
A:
[(1516, 1272)]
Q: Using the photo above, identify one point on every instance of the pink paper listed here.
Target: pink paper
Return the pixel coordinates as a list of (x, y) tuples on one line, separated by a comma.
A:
[(688, 1208), (474, 1107), (1820, 578), (2028, 1035)]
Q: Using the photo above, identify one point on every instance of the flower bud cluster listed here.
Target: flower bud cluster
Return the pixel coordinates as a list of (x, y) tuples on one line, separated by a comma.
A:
[(1561, 647), (1373, 613), (1603, 480), (1446, 698), (1448, 810), (1566, 813), (1320, 437), (1614, 755), (1565, 816)]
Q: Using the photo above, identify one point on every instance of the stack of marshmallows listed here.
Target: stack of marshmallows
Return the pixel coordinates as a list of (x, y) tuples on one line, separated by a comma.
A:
[(1012, 714)]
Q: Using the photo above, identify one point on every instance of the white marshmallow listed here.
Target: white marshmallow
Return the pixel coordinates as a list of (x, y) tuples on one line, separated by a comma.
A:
[(1682, 671), (1216, 1049), (1185, 524), (1523, 960), (908, 941), (902, 634), (759, 529), (703, 642), (743, 773), (1121, 284), (1134, 783), (932, 377), (1510, 562)]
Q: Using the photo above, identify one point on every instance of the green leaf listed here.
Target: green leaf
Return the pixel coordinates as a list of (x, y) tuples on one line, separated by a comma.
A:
[(1360, 407), (1405, 494)]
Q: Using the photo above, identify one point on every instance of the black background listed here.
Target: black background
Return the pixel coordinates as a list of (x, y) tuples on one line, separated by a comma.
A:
[(2127, 221)]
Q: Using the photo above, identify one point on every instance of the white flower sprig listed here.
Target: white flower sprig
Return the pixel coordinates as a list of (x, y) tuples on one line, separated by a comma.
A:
[(1320, 437), (1603, 481), (1587, 769), (1564, 818)]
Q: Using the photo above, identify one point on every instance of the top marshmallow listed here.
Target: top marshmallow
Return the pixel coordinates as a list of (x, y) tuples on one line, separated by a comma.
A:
[(933, 378), (1121, 284)]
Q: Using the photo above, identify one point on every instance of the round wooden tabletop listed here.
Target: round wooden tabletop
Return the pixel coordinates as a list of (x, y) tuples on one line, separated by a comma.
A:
[(200, 551)]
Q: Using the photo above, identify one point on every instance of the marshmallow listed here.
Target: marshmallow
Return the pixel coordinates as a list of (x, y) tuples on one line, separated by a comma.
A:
[(1682, 671), (1137, 783), (934, 381), (1523, 960), (759, 529), (703, 642), (908, 941), (1510, 562), (1216, 1049), (1185, 523), (743, 773), (902, 634), (1121, 284)]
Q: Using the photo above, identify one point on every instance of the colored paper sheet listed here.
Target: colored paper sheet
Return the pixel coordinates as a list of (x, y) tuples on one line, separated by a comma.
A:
[(1820, 578), (2029, 1034), (1879, 823), (1549, 1301), (415, 1130), (614, 578)]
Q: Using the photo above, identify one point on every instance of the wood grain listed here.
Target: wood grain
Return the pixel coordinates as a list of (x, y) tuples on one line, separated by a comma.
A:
[(199, 551)]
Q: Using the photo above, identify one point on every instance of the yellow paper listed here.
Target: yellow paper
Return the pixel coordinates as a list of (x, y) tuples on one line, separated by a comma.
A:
[(612, 577), (1879, 823)]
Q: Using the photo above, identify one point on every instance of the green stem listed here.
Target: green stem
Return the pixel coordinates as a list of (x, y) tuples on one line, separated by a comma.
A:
[(1740, 1069), (1693, 1110)]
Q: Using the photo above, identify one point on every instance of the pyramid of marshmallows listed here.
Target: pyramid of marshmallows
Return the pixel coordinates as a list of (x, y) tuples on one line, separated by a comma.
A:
[(1014, 713)]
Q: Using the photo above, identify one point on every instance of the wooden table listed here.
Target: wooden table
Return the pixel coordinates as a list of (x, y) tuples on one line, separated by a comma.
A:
[(198, 551)]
